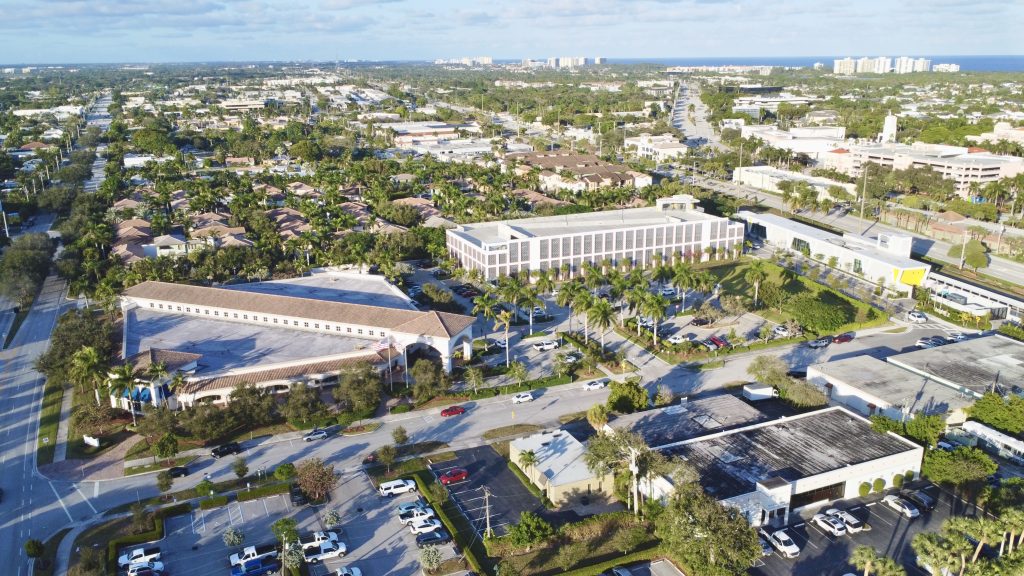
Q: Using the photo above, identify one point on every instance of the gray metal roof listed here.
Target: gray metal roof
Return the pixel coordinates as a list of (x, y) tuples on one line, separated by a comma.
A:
[(976, 364), (689, 420)]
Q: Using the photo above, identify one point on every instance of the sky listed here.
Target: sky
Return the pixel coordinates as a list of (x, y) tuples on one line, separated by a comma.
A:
[(102, 31)]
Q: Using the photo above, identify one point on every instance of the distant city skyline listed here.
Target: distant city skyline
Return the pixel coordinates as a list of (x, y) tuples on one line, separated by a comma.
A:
[(111, 31)]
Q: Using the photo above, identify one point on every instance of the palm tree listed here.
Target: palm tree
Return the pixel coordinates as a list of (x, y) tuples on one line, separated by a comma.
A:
[(122, 379), (755, 274), (635, 298), (936, 551), (601, 315), (654, 308), (518, 372), (503, 320), (542, 280), (177, 382), (864, 557), (683, 278), (983, 531), (580, 304), (527, 459), (87, 368), (704, 281), (475, 377), (484, 305), (566, 295), (510, 289), (529, 298)]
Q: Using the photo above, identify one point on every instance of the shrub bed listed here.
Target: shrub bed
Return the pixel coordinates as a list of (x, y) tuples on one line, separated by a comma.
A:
[(262, 492), (213, 502), (529, 486), (154, 535)]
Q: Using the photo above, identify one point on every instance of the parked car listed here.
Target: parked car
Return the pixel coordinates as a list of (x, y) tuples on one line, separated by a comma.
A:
[(926, 342), (720, 341), (820, 342), (226, 449), (710, 344), (766, 548), (142, 567), (700, 321), (844, 338), (668, 292), (522, 397), (501, 343), (780, 332), (298, 497), (916, 317), (955, 337), (453, 411), (801, 374), (921, 499), (852, 523), (679, 338), (404, 507), (902, 506), (435, 538), (544, 345), (137, 555), (177, 471), (596, 384), (782, 542), (315, 539), (830, 524), (573, 357), (410, 516), (250, 553), (258, 567), (324, 551), (396, 487), (315, 434), (454, 475), (348, 571), (621, 571), (425, 525)]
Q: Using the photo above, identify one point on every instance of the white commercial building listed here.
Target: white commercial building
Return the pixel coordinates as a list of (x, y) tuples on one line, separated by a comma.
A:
[(674, 228), (884, 260), (1003, 131), (769, 469), (946, 68), (768, 178), (459, 150), (661, 148), (964, 166), (845, 66), (869, 386), (813, 141)]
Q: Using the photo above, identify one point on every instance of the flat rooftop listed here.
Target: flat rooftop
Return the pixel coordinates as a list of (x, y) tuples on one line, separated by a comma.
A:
[(866, 250), (227, 345), (730, 464), (894, 385), (680, 422), (976, 364), (611, 220), (559, 456), (334, 286)]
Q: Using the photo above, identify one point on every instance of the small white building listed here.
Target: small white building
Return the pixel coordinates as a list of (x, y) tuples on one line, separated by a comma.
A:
[(768, 178), (662, 148), (560, 470)]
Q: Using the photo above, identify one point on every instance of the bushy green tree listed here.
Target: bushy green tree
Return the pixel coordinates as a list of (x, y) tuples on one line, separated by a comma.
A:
[(531, 529), (285, 472), (959, 467), (820, 312), (627, 396), (1004, 414)]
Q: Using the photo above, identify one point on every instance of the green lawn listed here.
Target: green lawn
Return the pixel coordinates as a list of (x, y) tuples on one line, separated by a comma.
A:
[(49, 419), (512, 430), (161, 465), (44, 565)]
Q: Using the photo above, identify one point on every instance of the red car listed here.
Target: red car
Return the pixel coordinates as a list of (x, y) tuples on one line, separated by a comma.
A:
[(454, 475), (453, 411), (843, 338)]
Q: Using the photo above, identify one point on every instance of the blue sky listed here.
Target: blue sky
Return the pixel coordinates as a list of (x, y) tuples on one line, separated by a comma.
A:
[(60, 31)]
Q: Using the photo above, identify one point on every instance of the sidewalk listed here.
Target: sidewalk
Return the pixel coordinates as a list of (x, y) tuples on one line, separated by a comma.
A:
[(107, 466)]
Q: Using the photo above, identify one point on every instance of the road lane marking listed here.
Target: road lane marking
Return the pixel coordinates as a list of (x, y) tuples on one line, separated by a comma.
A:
[(61, 501), (93, 508)]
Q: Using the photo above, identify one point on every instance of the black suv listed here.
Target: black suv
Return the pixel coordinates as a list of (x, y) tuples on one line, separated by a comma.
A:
[(298, 497), (434, 538), (920, 498), (225, 449)]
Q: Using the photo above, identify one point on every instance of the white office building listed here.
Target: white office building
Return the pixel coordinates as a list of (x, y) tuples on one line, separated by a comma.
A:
[(884, 260), (768, 178), (674, 228), (845, 66), (662, 148)]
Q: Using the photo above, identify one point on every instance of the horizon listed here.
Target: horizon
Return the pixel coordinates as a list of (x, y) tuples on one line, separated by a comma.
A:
[(163, 31)]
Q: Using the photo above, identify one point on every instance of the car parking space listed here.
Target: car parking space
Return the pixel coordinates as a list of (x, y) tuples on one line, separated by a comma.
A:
[(508, 497), (376, 542), (885, 530)]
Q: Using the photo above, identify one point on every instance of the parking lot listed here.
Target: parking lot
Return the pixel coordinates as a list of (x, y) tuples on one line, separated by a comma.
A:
[(508, 499), (376, 542), (887, 532)]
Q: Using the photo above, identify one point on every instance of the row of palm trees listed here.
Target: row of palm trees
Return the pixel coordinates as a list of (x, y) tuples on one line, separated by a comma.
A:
[(949, 552), (89, 370), (600, 290)]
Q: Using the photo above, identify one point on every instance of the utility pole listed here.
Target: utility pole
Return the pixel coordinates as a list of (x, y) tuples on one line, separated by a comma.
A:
[(487, 511)]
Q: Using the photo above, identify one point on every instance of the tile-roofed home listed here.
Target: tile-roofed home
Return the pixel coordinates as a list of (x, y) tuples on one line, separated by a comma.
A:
[(36, 145), (424, 207), (951, 216), (534, 198), (126, 204), (303, 190), (129, 252), (208, 218)]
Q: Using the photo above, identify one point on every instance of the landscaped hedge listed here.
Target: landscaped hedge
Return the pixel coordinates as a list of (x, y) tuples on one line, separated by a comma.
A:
[(154, 535), (213, 502), (471, 546), (641, 556), (262, 492), (401, 409)]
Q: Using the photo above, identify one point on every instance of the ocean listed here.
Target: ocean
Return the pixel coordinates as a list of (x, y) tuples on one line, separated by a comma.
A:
[(967, 63)]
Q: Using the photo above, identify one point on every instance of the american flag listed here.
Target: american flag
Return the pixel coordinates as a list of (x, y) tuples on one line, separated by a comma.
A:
[(382, 344)]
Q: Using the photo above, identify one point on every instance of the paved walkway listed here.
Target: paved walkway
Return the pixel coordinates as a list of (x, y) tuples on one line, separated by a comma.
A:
[(60, 451), (6, 323), (107, 466)]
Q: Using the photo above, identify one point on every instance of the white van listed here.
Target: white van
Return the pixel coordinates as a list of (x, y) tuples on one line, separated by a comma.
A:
[(396, 487)]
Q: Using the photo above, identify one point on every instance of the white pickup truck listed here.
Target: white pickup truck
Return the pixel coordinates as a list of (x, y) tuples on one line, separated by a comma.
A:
[(252, 553), (138, 555), (324, 551)]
